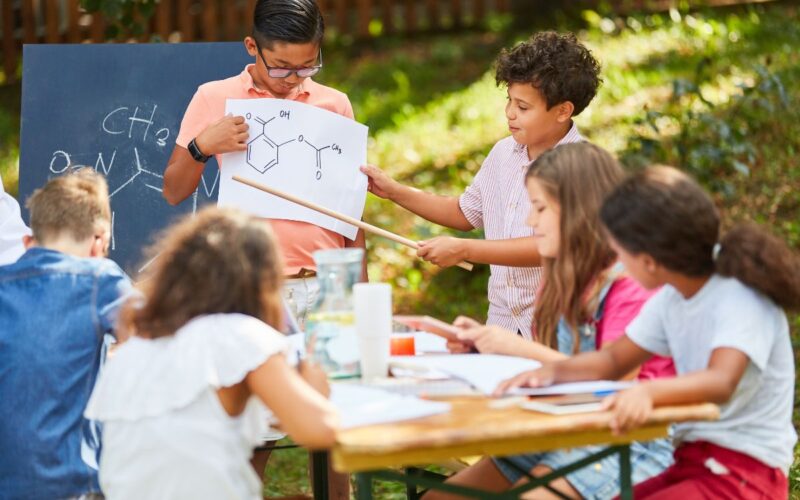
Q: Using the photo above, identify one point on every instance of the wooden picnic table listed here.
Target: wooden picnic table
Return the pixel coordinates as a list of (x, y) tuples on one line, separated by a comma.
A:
[(481, 426)]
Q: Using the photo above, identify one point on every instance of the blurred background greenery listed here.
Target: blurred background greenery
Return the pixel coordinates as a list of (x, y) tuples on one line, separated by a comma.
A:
[(713, 91)]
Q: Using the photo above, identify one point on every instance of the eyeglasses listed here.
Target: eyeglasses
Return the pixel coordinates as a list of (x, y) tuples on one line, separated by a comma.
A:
[(278, 72)]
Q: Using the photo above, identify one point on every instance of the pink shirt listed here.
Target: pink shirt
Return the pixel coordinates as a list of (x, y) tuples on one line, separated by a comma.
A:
[(297, 240), (623, 302), (497, 201)]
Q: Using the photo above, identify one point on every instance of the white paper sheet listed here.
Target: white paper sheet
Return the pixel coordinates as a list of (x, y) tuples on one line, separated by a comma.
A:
[(300, 149), (598, 387), (483, 371), (359, 406)]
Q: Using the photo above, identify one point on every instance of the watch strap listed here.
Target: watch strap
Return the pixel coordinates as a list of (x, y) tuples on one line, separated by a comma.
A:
[(196, 153)]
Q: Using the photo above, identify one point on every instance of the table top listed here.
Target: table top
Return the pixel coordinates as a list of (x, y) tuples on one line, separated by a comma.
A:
[(482, 426)]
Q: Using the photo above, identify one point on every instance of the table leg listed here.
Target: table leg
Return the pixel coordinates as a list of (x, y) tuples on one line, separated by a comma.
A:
[(411, 489), (364, 486), (319, 474), (625, 488)]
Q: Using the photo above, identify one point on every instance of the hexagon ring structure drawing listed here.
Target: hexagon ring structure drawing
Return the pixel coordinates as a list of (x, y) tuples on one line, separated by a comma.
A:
[(262, 151)]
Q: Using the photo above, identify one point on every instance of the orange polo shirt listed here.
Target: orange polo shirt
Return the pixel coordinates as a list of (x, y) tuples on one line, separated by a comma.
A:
[(297, 240)]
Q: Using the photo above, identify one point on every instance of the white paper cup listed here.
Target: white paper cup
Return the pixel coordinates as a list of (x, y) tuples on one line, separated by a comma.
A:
[(373, 310)]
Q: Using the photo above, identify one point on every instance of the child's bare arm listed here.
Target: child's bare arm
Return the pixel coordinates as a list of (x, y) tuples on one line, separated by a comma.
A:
[(442, 210), (183, 172), (611, 363), (360, 242), (493, 339), (715, 384), (447, 251), (305, 414), (181, 176)]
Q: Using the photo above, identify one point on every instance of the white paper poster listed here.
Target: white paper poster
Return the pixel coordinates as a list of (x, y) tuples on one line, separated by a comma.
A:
[(300, 149), (482, 371)]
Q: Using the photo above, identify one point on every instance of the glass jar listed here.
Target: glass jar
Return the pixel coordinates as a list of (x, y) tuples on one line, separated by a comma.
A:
[(330, 326)]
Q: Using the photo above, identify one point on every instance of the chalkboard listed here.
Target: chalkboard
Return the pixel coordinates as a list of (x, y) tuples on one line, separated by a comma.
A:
[(117, 108)]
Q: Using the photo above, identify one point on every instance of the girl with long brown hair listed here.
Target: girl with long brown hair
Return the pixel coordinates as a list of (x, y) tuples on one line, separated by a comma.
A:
[(584, 304), (186, 399), (719, 314)]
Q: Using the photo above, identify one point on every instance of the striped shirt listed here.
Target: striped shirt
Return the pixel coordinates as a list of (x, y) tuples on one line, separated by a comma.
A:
[(497, 201)]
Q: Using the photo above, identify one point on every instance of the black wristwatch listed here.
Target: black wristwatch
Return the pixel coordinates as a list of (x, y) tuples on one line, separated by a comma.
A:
[(196, 153)]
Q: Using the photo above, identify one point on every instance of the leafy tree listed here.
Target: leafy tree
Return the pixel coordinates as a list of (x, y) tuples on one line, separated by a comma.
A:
[(126, 18)]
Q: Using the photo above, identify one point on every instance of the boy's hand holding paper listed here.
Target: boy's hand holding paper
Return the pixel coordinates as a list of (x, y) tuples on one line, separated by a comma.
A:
[(226, 135), (380, 184)]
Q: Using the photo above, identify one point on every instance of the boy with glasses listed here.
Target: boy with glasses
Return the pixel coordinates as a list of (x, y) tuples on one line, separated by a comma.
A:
[(287, 49), (286, 45)]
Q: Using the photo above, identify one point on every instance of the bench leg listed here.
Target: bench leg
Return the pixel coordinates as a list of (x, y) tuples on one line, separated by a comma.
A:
[(625, 487), (319, 474), (363, 486)]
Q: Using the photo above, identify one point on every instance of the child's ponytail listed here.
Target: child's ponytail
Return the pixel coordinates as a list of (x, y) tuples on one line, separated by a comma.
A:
[(761, 261)]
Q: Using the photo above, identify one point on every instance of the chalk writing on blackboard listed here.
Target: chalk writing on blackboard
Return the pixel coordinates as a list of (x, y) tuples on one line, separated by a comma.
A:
[(139, 128), (100, 114)]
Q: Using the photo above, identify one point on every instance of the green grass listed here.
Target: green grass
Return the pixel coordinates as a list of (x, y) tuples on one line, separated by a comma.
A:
[(434, 113), (9, 136)]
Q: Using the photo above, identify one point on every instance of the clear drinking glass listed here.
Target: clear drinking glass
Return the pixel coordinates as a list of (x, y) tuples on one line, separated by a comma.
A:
[(330, 326)]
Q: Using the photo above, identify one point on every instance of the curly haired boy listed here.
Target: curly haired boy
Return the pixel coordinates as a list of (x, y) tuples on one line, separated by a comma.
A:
[(550, 78)]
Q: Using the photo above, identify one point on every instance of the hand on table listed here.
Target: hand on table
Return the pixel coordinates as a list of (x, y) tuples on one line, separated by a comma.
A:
[(632, 407), (226, 135), (444, 251), (541, 377)]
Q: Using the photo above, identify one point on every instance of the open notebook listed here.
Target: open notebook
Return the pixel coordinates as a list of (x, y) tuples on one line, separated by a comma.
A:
[(482, 371), (359, 406)]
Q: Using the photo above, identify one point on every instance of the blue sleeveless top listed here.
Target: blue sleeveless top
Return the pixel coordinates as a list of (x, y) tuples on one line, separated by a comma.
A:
[(587, 332)]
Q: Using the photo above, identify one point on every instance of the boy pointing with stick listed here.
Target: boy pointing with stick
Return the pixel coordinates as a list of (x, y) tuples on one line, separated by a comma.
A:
[(550, 79)]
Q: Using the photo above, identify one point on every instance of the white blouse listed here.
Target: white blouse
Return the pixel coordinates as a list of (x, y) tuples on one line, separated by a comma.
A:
[(165, 432), (12, 228)]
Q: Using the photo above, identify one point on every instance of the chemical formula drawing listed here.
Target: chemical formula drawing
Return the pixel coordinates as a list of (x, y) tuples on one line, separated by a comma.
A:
[(310, 152), (264, 152)]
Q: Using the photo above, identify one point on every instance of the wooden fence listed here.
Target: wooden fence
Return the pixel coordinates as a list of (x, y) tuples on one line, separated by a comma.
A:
[(63, 21)]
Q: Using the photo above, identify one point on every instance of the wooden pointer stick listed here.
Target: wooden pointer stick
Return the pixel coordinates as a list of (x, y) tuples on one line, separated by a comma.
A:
[(336, 215)]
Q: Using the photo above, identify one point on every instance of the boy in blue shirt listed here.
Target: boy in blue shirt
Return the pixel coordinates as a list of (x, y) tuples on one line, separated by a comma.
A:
[(57, 304)]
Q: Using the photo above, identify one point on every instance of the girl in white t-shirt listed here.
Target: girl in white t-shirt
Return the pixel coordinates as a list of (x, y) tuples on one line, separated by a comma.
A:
[(186, 399), (720, 316)]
